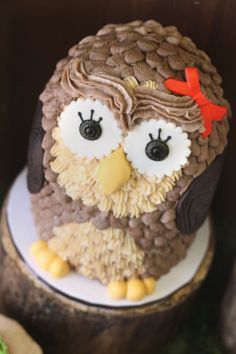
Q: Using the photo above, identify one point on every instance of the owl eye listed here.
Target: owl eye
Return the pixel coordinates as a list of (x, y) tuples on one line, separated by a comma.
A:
[(89, 128), (157, 148)]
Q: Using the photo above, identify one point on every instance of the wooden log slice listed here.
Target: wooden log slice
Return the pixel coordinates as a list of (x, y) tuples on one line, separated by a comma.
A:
[(62, 325)]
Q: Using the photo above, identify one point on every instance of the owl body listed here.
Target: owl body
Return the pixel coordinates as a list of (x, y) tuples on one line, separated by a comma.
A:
[(124, 176)]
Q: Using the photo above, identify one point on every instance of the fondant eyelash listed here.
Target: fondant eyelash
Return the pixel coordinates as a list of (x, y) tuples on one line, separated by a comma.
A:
[(91, 117), (159, 136)]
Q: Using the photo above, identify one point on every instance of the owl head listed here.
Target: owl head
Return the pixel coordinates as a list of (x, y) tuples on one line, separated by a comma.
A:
[(130, 127)]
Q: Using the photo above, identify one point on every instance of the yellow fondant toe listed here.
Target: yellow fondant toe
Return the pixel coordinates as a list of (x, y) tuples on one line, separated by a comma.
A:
[(59, 268), (44, 258), (117, 289), (37, 246), (133, 290), (150, 285), (136, 290), (48, 260)]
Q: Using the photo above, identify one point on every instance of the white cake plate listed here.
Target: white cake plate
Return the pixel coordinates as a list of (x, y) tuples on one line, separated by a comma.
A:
[(20, 220)]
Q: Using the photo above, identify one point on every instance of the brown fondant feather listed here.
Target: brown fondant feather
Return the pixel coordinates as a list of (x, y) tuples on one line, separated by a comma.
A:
[(35, 177), (195, 203)]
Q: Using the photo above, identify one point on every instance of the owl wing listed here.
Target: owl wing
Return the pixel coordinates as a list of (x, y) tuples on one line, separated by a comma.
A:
[(195, 203), (35, 177)]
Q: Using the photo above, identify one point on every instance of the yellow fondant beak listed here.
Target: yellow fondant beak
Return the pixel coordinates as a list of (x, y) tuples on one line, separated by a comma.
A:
[(114, 171)]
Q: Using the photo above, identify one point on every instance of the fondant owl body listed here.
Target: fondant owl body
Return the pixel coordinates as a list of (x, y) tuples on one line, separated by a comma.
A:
[(120, 171)]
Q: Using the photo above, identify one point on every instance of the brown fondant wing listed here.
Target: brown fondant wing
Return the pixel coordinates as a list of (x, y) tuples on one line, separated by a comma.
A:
[(195, 203), (35, 178)]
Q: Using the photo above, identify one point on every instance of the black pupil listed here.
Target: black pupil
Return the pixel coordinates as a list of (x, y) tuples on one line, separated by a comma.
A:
[(90, 129), (157, 150)]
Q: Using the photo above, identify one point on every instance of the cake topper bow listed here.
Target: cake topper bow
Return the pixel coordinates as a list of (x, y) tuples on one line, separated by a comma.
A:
[(191, 87)]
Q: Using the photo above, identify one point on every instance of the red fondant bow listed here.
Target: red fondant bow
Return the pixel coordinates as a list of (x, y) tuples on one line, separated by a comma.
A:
[(191, 87)]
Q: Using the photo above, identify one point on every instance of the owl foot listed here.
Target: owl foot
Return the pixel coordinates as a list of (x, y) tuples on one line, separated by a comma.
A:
[(48, 260), (132, 289)]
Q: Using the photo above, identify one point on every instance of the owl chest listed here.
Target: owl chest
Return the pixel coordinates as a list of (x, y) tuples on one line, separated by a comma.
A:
[(98, 254)]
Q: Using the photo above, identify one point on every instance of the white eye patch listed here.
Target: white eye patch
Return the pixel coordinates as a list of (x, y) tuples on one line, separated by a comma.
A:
[(89, 128), (157, 148)]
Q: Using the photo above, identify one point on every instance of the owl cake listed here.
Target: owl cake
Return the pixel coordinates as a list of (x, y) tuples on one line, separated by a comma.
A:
[(125, 153)]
